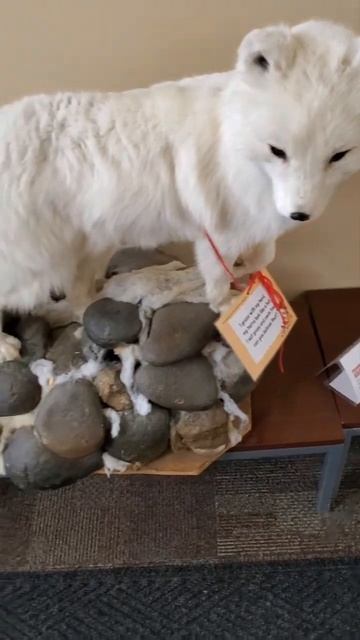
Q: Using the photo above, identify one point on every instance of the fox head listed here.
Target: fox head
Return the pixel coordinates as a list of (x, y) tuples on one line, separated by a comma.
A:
[(294, 106)]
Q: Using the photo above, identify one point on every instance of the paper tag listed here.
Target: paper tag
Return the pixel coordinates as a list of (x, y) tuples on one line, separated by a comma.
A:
[(346, 380), (253, 325)]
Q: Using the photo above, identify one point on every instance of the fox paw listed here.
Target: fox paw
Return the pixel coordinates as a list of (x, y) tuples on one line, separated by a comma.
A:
[(9, 348)]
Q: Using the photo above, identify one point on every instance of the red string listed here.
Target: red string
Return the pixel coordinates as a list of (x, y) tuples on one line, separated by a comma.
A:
[(273, 293), (278, 302), (237, 284), (281, 358)]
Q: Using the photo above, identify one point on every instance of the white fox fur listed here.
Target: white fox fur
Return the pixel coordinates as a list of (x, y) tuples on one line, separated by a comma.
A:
[(82, 174)]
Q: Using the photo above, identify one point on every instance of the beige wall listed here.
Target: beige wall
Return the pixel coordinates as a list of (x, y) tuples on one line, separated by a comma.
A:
[(49, 45)]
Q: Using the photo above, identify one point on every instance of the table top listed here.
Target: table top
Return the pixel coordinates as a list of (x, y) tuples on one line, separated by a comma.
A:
[(294, 409), (336, 317)]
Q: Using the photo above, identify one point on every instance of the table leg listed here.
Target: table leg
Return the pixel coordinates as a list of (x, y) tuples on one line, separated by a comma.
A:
[(332, 471)]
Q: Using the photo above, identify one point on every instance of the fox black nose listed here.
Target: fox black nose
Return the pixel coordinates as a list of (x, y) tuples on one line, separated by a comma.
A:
[(299, 216)]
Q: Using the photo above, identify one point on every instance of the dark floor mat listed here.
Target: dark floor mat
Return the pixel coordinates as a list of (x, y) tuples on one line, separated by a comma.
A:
[(301, 601)]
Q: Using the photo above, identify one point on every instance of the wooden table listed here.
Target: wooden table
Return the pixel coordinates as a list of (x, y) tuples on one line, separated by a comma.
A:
[(294, 413), (336, 317)]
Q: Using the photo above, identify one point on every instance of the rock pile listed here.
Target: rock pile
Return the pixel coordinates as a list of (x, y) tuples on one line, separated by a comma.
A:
[(129, 383)]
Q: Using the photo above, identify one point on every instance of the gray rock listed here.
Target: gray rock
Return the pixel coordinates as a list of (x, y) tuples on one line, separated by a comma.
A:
[(20, 391), (29, 464), (70, 421), (200, 430), (33, 333), (141, 438), (243, 386), (91, 350), (111, 390), (178, 331), (108, 322), (189, 385), (132, 259), (66, 352)]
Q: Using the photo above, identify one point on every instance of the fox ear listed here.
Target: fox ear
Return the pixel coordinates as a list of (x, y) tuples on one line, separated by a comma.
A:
[(266, 50)]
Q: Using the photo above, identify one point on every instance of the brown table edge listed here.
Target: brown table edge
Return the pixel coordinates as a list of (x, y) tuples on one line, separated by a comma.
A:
[(242, 447), (307, 295), (293, 445)]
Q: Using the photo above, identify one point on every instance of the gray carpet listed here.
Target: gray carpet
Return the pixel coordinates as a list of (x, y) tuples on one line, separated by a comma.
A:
[(298, 601), (253, 511)]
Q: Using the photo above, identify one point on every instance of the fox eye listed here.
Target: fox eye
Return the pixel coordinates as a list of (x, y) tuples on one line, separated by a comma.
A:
[(279, 153), (338, 156)]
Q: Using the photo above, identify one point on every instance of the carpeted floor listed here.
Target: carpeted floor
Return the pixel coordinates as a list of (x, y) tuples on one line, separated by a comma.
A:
[(253, 511), (304, 601), (238, 552)]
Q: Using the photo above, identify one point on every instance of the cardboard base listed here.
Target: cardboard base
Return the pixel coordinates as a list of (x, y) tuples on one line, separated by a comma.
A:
[(182, 463)]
